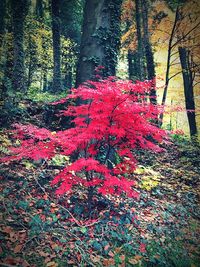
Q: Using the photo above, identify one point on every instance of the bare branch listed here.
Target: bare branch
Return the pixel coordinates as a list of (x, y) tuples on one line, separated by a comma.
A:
[(183, 37), (174, 75)]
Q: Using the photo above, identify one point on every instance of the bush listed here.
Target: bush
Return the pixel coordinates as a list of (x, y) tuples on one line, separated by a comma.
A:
[(113, 119)]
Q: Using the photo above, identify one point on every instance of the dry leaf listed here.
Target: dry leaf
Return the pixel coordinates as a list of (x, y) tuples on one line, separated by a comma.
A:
[(7, 229), (25, 264), (43, 254), (108, 262), (95, 259), (111, 254), (47, 259), (52, 264), (18, 248), (138, 257), (117, 250), (122, 257), (106, 247), (133, 261)]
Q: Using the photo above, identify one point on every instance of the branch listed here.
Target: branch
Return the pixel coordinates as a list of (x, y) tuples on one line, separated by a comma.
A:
[(183, 37), (171, 64), (174, 53), (175, 75), (196, 84)]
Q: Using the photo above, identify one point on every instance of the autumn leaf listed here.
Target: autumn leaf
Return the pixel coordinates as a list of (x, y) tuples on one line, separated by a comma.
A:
[(108, 262), (95, 259), (111, 254), (43, 254), (18, 248), (142, 247), (51, 264), (133, 261), (138, 257), (106, 247)]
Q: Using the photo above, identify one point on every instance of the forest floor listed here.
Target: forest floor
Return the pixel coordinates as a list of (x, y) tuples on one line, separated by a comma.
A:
[(161, 228)]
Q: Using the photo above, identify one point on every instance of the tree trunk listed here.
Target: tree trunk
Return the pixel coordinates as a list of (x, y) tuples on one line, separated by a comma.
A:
[(19, 12), (148, 51), (140, 52), (39, 10), (2, 20), (167, 78), (188, 90), (45, 82), (100, 38), (68, 79), (133, 67), (57, 83)]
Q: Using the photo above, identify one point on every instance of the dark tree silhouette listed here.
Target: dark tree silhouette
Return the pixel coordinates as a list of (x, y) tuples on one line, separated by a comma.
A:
[(100, 38), (57, 84), (19, 12)]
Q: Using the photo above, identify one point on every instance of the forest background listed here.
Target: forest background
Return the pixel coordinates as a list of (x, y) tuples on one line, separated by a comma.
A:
[(41, 47)]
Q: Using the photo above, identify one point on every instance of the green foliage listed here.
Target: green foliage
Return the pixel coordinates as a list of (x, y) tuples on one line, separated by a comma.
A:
[(59, 160), (170, 253), (149, 178), (45, 97), (4, 143)]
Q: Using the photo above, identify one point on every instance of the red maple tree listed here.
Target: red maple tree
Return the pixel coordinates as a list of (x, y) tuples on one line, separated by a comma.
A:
[(113, 119)]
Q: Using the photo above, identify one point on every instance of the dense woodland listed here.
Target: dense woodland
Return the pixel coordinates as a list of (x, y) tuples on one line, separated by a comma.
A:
[(100, 130)]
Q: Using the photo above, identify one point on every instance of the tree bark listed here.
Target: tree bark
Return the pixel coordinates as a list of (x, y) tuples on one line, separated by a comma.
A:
[(45, 82), (39, 10), (19, 12), (2, 20), (133, 68), (140, 53), (100, 38), (148, 51), (57, 83), (188, 89)]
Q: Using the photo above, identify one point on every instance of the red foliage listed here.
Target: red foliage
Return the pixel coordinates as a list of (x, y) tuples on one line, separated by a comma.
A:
[(114, 118)]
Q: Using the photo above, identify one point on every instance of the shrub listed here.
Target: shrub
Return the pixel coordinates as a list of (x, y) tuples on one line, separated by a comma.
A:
[(112, 119)]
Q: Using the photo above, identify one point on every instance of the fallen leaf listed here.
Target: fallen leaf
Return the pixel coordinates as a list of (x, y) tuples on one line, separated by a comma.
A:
[(142, 247), (95, 259), (18, 248), (52, 264), (133, 261), (138, 257), (43, 254), (111, 254), (106, 247), (122, 257), (7, 229), (25, 264)]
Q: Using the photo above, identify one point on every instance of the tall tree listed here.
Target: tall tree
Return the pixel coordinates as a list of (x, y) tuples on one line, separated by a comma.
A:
[(2, 19), (169, 53), (71, 21), (100, 38), (138, 20), (184, 33), (188, 79), (148, 51), (19, 12), (71, 15), (39, 9), (56, 30)]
